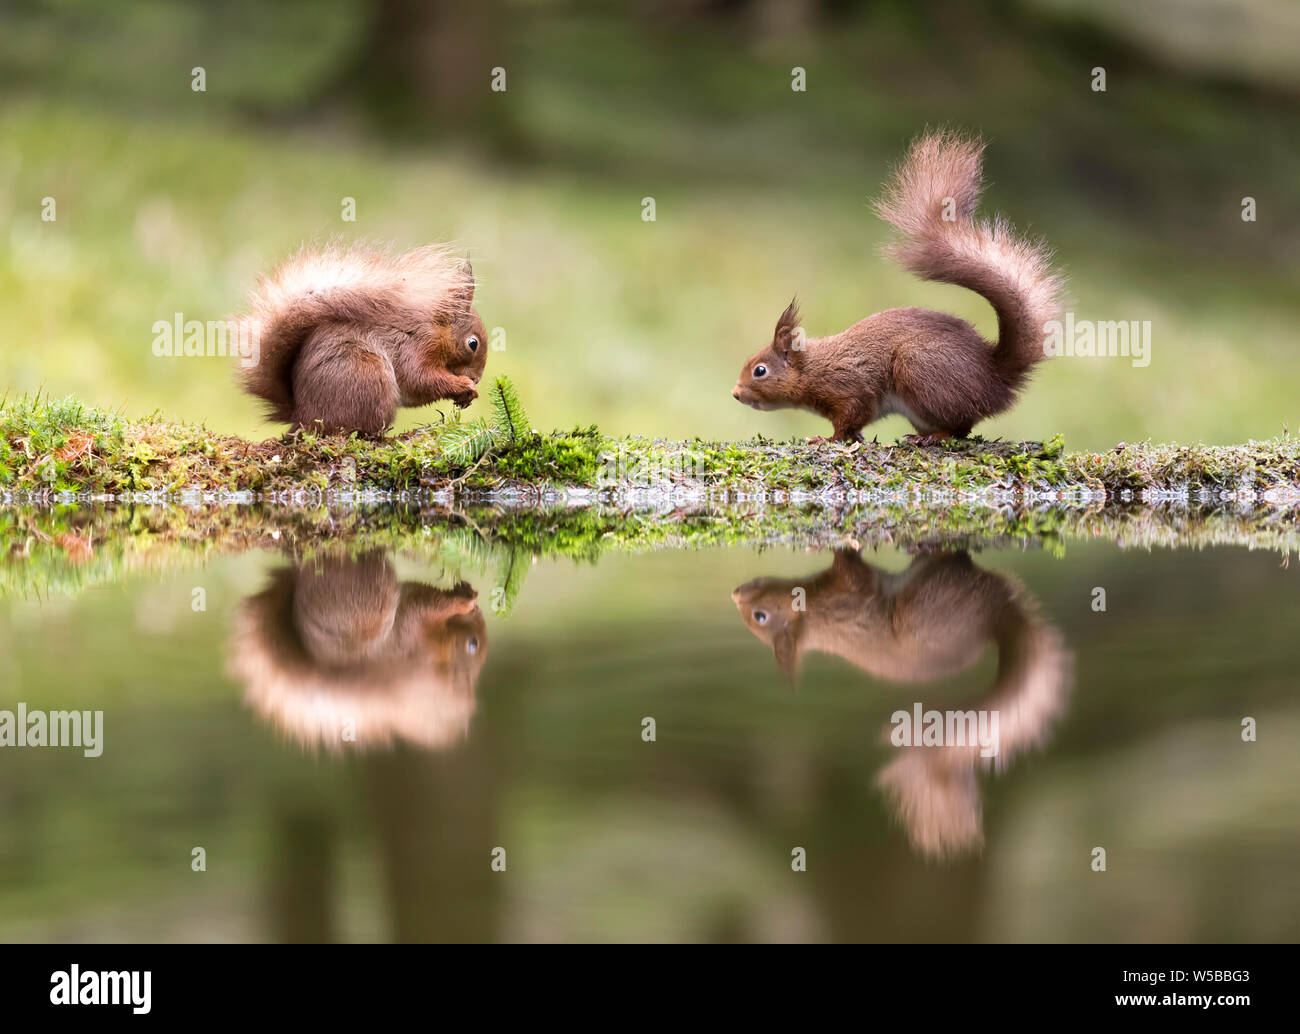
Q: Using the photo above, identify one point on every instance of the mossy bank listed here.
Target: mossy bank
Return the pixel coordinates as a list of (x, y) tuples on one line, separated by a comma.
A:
[(52, 447)]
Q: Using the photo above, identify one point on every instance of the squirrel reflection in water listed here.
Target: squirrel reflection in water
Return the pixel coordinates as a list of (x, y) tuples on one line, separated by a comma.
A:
[(337, 651), (932, 620)]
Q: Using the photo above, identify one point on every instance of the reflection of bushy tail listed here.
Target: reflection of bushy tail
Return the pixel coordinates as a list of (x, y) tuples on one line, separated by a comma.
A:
[(937, 803), (1033, 684), (940, 176), (933, 792), (358, 284)]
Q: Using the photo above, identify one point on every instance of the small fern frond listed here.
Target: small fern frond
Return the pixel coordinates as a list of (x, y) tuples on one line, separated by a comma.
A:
[(465, 442), (509, 419)]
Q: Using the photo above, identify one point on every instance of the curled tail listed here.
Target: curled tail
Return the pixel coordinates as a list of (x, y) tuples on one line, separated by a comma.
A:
[(359, 285), (931, 201)]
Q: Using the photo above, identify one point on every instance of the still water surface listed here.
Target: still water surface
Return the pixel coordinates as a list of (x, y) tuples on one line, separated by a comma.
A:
[(355, 741)]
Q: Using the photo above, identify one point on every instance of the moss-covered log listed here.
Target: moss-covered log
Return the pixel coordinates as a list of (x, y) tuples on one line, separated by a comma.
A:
[(52, 447)]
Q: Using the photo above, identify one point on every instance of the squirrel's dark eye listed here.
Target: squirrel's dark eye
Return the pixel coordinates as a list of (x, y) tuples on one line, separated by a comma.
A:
[(760, 370), (760, 616), (472, 645), (472, 341)]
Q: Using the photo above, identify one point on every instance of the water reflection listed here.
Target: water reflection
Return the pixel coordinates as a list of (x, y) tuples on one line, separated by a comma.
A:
[(933, 620), (338, 651)]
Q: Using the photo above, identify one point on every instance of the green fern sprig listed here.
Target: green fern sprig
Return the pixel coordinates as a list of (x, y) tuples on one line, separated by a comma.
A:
[(509, 419), (465, 442)]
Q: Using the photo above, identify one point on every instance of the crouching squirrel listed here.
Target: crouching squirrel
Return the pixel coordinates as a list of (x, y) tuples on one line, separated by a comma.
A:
[(347, 334), (931, 368)]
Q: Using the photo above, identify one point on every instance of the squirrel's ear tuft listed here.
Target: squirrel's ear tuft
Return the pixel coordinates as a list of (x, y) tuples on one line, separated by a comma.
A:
[(465, 295), (786, 326), (790, 318)]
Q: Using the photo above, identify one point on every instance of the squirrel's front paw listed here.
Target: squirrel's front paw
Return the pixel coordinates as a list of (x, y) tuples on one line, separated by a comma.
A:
[(464, 398)]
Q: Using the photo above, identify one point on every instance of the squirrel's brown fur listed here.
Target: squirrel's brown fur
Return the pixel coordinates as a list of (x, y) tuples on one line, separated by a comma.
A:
[(346, 334), (932, 368)]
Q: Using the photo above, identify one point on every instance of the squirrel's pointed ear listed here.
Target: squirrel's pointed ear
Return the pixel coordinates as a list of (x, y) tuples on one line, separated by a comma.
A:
[(466, 294), (787, 330), (790, 318)]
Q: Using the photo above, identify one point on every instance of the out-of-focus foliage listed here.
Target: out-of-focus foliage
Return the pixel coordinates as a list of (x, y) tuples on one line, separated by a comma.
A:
[(172, 201)]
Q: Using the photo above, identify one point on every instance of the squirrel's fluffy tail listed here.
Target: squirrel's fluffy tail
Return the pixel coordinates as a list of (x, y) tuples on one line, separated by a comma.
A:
[(360, 285), (931, 200)]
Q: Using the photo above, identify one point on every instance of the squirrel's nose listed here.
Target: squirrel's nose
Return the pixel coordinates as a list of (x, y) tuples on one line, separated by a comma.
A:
[(735, 393)]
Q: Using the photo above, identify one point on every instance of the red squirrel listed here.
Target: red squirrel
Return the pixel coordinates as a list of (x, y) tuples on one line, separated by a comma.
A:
[(931, 368), (347, 334)]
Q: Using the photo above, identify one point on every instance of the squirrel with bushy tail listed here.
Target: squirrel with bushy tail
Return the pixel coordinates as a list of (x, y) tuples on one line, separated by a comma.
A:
[(934, 369), (346, 334)]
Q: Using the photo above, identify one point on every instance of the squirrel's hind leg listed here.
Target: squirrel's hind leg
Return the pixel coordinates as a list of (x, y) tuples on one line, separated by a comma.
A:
[(932, 438), (344, 386)]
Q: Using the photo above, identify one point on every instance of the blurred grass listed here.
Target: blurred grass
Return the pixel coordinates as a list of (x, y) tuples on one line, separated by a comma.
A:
[(170, 201)]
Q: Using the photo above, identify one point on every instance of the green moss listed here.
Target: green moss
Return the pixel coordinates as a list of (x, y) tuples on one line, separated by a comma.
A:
[(571, 459), (45, 443), (49, 445)]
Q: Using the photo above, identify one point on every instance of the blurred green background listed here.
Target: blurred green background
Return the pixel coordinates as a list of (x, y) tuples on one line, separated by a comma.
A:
[(170, 200)]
